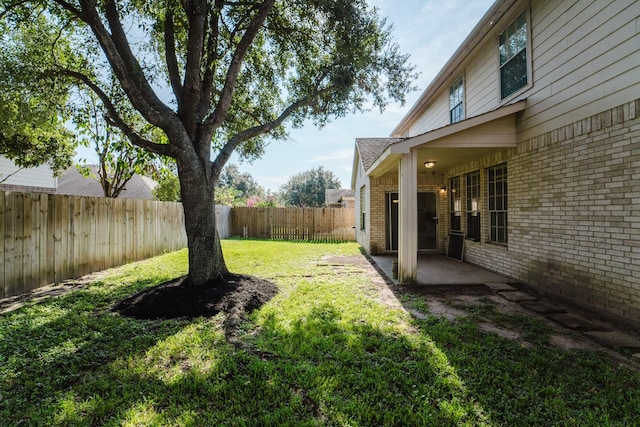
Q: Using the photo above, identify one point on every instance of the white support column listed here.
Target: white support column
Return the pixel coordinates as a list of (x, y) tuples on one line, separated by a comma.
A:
[(408, 218)]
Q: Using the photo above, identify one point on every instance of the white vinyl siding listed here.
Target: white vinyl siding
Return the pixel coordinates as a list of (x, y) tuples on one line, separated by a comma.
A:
[(362, 203), (587, 59), (481, 81), (585, 56), (436, 117)]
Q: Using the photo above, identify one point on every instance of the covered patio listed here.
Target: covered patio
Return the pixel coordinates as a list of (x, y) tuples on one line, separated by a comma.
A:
[(438, 151), (437, 269)]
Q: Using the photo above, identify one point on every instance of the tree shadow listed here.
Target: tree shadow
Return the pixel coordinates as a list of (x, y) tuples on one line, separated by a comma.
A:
[(527, 381), (317, 370)]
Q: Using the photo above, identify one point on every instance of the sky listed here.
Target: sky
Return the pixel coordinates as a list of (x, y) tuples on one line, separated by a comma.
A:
[(429, 31)]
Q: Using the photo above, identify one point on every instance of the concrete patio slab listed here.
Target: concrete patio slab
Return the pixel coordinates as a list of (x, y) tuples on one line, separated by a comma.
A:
[(497, 287), (615, 339), (544, 307), (576, 322), (437, 269), (517, 296)]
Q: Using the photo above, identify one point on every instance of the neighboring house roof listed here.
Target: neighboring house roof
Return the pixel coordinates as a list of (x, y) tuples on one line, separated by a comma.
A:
[(34, 179), (72, 182), (334, 196), (370, 149)]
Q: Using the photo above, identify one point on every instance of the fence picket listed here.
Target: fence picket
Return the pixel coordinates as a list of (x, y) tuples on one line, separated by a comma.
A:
[(50, 238), (302, 224), (9, 245)]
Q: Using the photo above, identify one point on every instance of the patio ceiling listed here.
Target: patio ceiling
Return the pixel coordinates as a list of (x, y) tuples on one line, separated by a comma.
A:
[(454, 144)]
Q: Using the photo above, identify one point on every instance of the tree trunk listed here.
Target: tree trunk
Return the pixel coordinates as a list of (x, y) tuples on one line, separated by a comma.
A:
[(205, 252)]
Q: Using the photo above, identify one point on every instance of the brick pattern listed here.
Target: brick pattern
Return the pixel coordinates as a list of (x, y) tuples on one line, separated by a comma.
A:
[(377, 198), (574, 212)]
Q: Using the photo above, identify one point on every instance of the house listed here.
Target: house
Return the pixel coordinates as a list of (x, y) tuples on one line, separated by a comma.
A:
[(339, 198), (72, 182), (36, 179), (527, 143)]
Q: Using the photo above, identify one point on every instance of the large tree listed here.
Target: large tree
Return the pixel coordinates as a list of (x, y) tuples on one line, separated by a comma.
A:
[(237, 186), (33, 109), (307, 189), (236, 69)]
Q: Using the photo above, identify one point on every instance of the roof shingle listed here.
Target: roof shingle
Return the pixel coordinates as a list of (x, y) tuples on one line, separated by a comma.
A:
[(371, 148)]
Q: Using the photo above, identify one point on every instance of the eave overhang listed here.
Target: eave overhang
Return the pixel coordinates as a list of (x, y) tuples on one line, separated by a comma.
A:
[(495, 129), (501, 11)]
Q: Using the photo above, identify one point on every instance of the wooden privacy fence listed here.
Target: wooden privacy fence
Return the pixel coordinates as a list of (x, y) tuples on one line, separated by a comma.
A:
[(309, 224), (50, 238)]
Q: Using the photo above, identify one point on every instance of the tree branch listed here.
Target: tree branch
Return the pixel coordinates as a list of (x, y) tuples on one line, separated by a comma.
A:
[(210, 58), (3, 178), (170, 52), (226, 95), (116, 120), (10, 7), (190, 99), (252, 132), (125, 65)]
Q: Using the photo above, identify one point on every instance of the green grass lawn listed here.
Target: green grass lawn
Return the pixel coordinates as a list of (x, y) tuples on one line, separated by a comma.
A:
[(325, 351)]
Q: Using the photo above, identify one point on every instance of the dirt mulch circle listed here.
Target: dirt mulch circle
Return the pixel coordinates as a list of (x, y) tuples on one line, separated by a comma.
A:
[(236, 294)]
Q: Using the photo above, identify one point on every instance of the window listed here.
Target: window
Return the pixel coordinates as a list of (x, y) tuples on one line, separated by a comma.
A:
[(473, 206), (513, 57), (455, 203), (456, 101), (497, 182)]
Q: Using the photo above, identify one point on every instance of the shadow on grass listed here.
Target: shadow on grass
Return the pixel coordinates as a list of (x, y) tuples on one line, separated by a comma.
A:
[(529, 382), (119, 371), (56, 346), (70, 361), (526, 381)]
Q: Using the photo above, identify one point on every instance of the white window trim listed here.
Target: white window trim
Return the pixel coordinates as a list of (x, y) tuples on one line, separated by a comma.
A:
[(464, 98), (529, 85)]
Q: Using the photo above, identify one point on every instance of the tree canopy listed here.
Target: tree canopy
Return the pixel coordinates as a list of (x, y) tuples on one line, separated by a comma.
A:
[(33, 108), (217, 77), (118, 159), (237, 186), (307, 189)]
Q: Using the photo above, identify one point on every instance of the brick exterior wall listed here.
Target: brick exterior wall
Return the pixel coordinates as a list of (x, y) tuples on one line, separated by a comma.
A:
[(379, 188), (573, 212)]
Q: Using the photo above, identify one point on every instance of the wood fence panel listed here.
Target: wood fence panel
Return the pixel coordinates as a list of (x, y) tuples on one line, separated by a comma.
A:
[(9, 245), (26, 241), (4, 217), (101, 230), (92, 240), (31, 242), (149, 211), (2, 232), (41, 214), (51, 238), (71, 238), (18, 252), (307, 224), (117, 255), (81, 242)]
